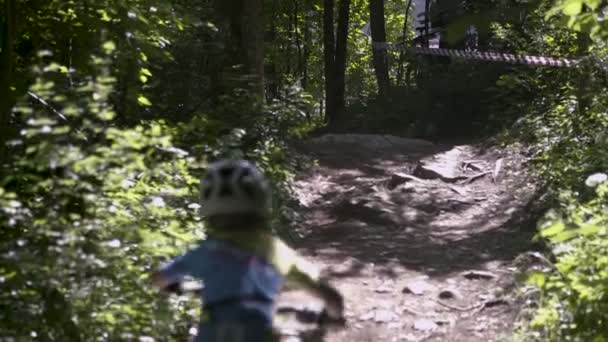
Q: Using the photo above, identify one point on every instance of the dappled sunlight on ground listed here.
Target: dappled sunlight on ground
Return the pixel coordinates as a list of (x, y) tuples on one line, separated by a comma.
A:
[(382, 212)]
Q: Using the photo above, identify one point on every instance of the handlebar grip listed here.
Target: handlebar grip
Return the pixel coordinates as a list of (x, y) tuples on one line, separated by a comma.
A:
[(326, 319), (319, 318), (182, 287), (175, 288)]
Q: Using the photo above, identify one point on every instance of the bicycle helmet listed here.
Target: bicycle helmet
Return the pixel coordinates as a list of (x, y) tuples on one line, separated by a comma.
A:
[(234, 187)]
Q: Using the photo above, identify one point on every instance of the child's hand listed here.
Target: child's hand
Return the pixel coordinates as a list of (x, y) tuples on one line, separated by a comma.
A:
[(335, 308), (334, 302), (165, 283), (175, 288)]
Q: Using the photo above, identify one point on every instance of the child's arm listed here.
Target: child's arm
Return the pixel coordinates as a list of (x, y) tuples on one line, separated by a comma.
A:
[(310, 279), (305, 275), (170, 276)]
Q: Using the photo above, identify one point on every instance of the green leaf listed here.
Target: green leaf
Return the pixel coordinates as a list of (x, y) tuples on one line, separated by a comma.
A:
[(589, 230), (572, 7), (564, 236), (537, 279), (109, 46), (104, 15), (144, 73), (61, 130), (156, 130), (41, 122), (574, 24), (107, 115), (56, 67), (9, 276), (593, 4), (553, 229), (142, 100), (106, 79), (59, 98)]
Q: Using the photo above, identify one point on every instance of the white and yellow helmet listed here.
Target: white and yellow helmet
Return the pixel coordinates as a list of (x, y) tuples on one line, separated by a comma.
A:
[(234, 187)]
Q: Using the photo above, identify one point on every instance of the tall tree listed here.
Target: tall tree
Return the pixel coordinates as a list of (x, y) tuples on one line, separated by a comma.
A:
[(242, 21), (340, 63), (298, 38), (400, 72), (307, 43), (335, 60), (7, 69), (329, 57), (272, 79), (427, 22), (380, 57)]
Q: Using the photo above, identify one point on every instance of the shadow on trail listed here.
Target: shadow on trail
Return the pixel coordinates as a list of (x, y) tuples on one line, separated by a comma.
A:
[(383, 233), (418, 249), (372, 158)]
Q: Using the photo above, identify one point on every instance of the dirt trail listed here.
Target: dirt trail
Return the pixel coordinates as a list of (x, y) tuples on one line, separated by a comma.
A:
[(420, 237)]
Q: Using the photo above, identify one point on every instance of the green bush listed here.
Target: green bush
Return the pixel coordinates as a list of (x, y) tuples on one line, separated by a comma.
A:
[(566, 126), (574, 299), (97, 191), (569, 133), (83, 226)]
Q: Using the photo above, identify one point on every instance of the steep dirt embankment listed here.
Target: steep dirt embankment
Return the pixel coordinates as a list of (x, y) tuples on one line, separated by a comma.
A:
[(420, 237)]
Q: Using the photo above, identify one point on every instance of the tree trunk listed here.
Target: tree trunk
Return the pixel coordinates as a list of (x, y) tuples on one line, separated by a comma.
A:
[(583, 92), (400, 71), (427, 22), (329, 55), (252, 43), (287, 44), (58, 314), (296, 9), (273, 81), (307, 44), (380, 56), (441, 14), (340, 63), (7, 72), (243, 66)]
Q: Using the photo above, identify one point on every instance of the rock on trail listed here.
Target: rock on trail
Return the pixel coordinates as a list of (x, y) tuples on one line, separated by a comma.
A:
[(419, 236)]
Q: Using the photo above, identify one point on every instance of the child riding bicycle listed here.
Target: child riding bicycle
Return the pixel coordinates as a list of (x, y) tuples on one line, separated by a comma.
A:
[(242, 265)]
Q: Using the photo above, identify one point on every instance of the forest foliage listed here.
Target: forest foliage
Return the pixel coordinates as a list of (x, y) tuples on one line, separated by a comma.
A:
[(110, 111), (567, 125)]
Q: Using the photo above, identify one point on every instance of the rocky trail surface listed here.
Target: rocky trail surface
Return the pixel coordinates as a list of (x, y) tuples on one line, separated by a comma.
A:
[(420, 237)]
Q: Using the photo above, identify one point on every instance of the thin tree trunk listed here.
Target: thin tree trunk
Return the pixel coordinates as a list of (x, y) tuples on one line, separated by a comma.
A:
[(340, 63), (307, 43), (126, 80), (241, 22), (380, 56), (583, 89), (7, 72), (273, 81), (298, 39), (329, 55), (288, 44), (427, 22), (252, 31), (57, 310), (400, 71)]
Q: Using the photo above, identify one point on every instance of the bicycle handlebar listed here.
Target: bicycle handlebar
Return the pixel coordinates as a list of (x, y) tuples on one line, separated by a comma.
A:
[(311, 324), (182, 287), (310, 316)]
